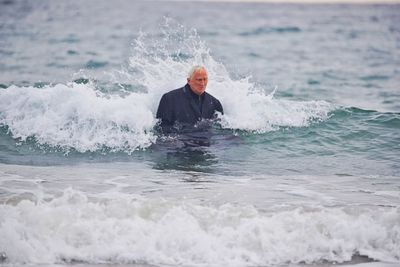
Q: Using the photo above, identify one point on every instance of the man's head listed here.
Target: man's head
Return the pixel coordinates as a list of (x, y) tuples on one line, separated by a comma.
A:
[(197, 79)]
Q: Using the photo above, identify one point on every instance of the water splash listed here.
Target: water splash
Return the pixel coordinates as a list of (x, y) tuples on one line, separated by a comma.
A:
[(162, 62), (77, 116), (85, 118)]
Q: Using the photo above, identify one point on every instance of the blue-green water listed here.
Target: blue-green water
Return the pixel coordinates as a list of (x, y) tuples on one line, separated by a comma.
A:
[(303, 167)]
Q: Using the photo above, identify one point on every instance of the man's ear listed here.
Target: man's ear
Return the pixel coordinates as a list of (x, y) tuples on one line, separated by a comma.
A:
[(188, 80)]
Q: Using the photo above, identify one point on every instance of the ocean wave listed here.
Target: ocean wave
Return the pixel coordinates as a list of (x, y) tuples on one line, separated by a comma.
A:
[(79, 117), (269, 30), (86, 116), (76, 116), (370, 117), (123, 229)]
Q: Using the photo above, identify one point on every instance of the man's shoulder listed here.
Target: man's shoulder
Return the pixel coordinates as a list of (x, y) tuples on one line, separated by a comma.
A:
[(174, 92), (214, 103), (211, 97)]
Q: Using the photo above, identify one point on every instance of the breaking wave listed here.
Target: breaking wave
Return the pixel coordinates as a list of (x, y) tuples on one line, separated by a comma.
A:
[(121, 228), (85, 117)]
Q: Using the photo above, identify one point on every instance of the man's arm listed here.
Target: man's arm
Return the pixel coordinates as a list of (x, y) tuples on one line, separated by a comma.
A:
[(219, 107), (164, 112)]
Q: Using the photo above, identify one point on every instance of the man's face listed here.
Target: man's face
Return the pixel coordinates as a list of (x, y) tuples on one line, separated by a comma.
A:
[(198, 81)]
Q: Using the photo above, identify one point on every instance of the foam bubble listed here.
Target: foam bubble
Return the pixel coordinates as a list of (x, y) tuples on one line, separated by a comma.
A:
[(132, 229)]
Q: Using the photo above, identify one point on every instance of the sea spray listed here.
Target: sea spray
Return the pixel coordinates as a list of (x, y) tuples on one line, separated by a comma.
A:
[(162, 64)]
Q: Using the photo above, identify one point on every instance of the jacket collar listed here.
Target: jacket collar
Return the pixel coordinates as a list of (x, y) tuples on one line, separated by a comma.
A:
[(189, 95)]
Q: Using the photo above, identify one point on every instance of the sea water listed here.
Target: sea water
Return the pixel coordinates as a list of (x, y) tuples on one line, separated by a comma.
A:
[(302, 169)]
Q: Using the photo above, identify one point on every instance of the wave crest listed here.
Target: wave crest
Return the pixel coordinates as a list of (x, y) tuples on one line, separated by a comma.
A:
[(77, 116)]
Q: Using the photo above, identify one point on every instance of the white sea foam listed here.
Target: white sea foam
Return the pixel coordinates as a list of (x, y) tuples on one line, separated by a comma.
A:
[(80, 117), (122, 228), (77, 116)]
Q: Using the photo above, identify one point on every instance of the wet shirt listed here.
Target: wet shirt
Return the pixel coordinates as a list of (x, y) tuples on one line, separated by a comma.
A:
[(198, 100), (185, 107)]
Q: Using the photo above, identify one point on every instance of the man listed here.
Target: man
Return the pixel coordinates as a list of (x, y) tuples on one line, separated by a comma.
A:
[(188, 105)]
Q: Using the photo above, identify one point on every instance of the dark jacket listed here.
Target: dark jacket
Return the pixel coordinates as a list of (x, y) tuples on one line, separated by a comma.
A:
[(182, 106)]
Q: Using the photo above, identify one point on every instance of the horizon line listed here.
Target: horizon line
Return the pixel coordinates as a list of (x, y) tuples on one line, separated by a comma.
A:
[(360, 2)]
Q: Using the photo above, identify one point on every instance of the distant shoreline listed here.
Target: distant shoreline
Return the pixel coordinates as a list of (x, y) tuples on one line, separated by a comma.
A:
[(361, 2)]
